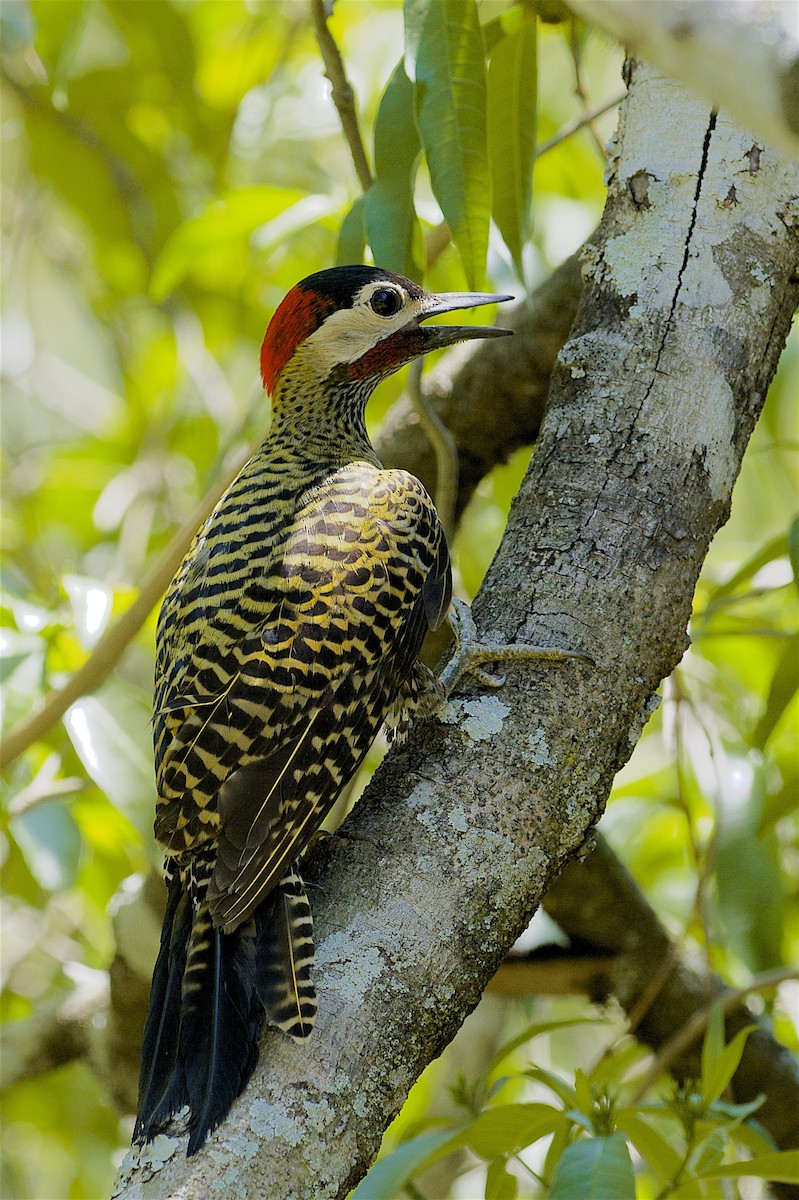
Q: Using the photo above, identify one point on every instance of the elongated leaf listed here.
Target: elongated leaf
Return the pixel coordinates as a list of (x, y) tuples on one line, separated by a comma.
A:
[(719, 1068), (782, 1167), (500, 1184), (446, 58), (51, 844), (775, 548), (784, 686), (712, 1044), (391, 225), (536, 1030), (662, 1158), (793, 549), (352, 235), (275, 211), (559, 1086), (512, 95), (508, 1128), (598, 1168), (386, 1179)]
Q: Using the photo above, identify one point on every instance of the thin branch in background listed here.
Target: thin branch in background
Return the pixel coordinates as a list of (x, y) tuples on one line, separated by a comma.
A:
[(444, 446), (695, 1027), (577, 124), (343, 94), (579, 85), (117, 638)]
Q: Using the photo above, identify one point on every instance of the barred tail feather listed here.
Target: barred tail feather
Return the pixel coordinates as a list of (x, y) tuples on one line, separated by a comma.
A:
[(285, 958), (210, 995), (201, 1035)]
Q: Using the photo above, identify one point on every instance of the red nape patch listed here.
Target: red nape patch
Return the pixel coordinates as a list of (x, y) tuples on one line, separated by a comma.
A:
[(298, 315)]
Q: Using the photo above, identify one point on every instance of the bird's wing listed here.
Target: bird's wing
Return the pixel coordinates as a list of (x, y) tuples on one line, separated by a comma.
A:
[(257, 762)]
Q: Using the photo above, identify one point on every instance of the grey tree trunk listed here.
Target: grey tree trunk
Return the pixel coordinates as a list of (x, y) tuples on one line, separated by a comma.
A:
[(690, 286)]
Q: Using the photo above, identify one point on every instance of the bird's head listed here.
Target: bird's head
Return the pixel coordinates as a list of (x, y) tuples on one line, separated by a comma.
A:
[(358, 324)]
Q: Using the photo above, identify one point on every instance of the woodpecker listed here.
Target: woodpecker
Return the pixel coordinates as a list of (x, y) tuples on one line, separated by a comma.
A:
[(287, 638)]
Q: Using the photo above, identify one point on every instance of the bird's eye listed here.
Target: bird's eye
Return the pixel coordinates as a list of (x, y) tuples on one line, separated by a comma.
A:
[(385, 302)]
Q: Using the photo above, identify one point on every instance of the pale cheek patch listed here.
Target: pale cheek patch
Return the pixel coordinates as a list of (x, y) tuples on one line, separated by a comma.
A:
[(350, 333)]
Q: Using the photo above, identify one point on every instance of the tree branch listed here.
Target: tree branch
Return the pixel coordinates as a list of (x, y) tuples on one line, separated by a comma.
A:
[(343, 94), (742, 55), (464, 828)]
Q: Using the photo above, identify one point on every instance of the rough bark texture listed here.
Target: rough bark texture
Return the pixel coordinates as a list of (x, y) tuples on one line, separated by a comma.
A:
[(686, 308), (743, 55)]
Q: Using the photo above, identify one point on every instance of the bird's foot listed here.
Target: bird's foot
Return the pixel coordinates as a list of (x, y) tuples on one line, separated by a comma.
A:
[(471, 652)]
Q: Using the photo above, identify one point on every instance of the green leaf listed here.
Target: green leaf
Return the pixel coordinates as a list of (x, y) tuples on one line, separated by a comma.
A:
[(508, 1128), (651, 1145), (710, 1151), (512, 95), (784, 686), (275, 212), (387, 1178), (351, 245), (793, 549), (500, 1184), (559, 1086), (391, 225), (110, 734), (773, 549), (446, 58), (782, 1167), (50, 842), (719, 1065), (713, 1043), (536, 1029), (582, 1090), (598, 1168)]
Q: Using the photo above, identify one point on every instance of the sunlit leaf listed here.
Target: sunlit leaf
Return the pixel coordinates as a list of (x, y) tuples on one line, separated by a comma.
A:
[(784, 686), (653, 1147), (782, 1167), (720, 1062), (387, 1177), (597, 1168), (391, 224), (446, 59), (500, 1184), (116, 756), (92, 602), (512, 90), (793, 549), (51, 843), (351, 244), (508, 1128), (234, 217)]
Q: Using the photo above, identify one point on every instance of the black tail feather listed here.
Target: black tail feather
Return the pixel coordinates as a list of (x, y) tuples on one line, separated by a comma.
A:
[(210, 995), (222, 1019), (160, 1070)]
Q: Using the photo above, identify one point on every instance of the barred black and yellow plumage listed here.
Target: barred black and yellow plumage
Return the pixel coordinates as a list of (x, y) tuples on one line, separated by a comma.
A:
[(289, 635)]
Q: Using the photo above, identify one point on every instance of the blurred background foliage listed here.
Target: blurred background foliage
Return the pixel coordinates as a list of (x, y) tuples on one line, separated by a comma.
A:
[(169, 170)]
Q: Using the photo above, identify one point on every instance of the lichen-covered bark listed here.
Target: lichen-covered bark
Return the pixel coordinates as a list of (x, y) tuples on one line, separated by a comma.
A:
[(687, 305), (743, 55)]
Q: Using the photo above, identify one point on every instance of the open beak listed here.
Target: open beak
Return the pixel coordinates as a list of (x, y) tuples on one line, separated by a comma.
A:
[(436, 336)]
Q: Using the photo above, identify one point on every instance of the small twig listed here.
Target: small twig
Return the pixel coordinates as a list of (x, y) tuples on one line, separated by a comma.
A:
[(444, 446), (694, 1028), (343, 94), (579, 86), (577, 124), (118, 637)]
